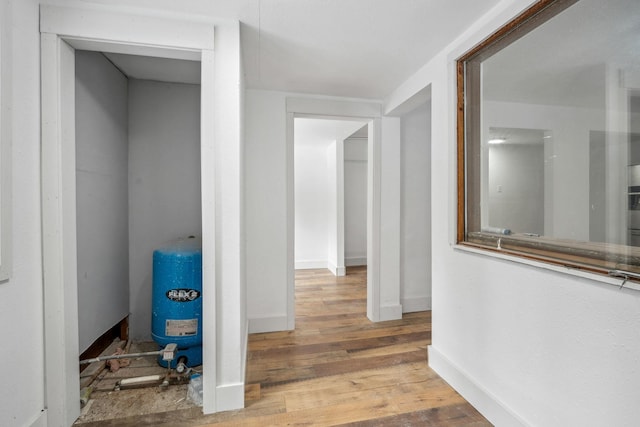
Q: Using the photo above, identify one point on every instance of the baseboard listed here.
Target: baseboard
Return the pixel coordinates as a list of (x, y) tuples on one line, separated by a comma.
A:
[(355, 261), (390, 312), (246, 353), (311, 264), (40, 420), (411, 305), (337, 271), (268, 324), (229, 397), (486, 403)]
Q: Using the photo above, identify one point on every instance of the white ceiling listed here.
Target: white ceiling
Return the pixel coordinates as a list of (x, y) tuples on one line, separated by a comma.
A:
[(350, 48)]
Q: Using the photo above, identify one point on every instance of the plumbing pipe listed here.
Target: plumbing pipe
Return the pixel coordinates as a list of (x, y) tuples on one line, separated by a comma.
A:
[(168, 353), (121, 356)]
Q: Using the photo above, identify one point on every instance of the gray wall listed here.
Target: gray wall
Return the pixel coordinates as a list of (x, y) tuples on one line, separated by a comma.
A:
[(164, 181), (102, 196)]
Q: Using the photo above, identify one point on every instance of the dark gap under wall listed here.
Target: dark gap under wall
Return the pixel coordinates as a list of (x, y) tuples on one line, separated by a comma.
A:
[(118, 331)]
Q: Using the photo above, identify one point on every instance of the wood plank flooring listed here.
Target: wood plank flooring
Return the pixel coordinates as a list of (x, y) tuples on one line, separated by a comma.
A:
[(335, 369)]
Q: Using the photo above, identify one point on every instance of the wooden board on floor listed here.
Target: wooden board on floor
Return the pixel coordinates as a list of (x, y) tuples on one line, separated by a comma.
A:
[(92, 371)]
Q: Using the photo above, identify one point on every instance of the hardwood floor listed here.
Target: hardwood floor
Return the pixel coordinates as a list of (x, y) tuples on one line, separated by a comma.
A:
[(336, 369)]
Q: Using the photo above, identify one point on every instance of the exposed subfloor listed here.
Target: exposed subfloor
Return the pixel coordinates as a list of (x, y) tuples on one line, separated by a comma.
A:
[(107, 404)]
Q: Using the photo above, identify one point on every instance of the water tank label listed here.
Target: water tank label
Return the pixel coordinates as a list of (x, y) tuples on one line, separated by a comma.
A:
[(181, 328), (183, 295)]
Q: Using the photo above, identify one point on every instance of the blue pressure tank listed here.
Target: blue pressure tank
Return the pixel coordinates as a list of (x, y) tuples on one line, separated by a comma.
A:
[(176, 312)]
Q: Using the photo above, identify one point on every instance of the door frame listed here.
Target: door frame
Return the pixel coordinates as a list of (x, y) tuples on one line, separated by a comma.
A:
[(340, 110), (64, 29)]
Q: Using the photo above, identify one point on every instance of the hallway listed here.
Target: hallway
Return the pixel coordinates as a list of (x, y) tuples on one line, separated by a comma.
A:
[(336, 368)]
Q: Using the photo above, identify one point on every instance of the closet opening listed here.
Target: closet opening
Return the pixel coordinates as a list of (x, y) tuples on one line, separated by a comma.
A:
[(138, 191)]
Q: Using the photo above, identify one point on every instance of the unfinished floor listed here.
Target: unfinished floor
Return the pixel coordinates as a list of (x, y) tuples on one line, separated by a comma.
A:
[(107, 404), (335, 369)]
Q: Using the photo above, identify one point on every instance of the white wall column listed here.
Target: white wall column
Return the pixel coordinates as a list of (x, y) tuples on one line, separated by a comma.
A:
[(383, 220), (335, 236), (390, 307)]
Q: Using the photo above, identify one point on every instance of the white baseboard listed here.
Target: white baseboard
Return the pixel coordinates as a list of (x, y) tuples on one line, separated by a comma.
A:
[(486, 403), (40, 420), (229, 397), (390, 312), (411, 305), (268, 324), (311, 264), (355, 261), (246, 352), (337, 271)]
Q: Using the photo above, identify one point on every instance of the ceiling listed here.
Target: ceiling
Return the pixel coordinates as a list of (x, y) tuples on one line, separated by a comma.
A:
[(157, 69), (349, 48)]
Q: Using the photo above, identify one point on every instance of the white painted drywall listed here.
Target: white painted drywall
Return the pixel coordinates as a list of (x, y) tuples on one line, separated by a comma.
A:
[(164, 182), (102, 201), (390, 188), (266, 200), (312, 204), (415, 250), (332, 152), (21, 297), (355, 201), (526, 345)]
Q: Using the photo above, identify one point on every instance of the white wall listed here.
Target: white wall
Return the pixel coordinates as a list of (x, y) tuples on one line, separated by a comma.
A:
[(526, 345), (355, 201), (312, 198), (266, 203), (164, 182), (21, 306), (415, 250), (101, 196), (335, 221)]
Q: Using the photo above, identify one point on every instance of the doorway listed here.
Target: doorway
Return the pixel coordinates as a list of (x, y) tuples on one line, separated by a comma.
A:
[(330, 180), (102, 32), (356, 111), (137, 181), (330, 194)]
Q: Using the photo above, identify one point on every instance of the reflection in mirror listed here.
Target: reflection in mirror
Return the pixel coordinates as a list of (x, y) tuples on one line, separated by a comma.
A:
[(516, 179)]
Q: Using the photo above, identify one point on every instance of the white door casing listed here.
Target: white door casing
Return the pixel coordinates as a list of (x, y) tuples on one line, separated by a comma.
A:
[(64, 29)]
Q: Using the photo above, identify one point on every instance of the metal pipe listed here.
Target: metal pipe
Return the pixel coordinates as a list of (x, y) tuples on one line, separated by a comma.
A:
[(121, 356)]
